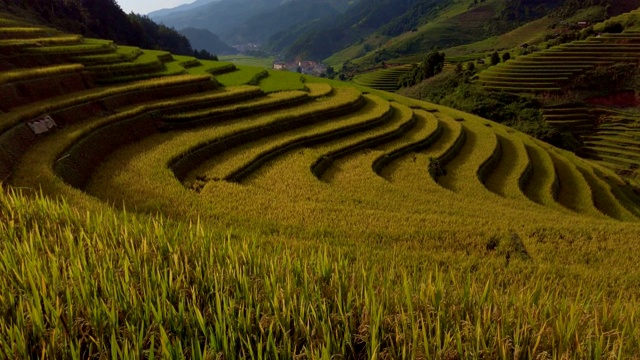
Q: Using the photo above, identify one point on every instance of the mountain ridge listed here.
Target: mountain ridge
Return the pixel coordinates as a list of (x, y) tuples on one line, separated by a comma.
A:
[(183, 7), (234, 20), (204, 39)]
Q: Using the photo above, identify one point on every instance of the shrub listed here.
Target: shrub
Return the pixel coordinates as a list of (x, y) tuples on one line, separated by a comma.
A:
[(613, 27), (495, 58), (471, 67), (431, 66)]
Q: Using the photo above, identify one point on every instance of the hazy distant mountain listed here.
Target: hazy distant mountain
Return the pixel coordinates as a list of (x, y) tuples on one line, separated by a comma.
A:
[(242, 21), (261, 26), (320, 40), (184, 7), (205, 39)]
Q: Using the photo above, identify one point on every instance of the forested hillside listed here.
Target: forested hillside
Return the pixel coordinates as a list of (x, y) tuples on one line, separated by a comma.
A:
[(319, 41), (206, 40), (382, 30), (444, 24), (103, 19)]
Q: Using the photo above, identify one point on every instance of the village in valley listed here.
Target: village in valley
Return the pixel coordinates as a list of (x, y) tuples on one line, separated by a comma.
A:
[(304, 67)]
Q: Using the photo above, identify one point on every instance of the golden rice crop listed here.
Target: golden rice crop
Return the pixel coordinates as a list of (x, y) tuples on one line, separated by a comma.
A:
[(233, 159), (462, 172), (427, 128), (284, 265), (24, 31), (263, 101), (514, 165), (54, 145), (574, 192), (124, 292), (542, 187), (399, 124), (603, 196), (319, 89), (42, 43), (27, 74)]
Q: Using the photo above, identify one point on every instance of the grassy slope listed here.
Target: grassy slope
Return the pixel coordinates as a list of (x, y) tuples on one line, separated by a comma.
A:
[(455, 24), (530, 33)]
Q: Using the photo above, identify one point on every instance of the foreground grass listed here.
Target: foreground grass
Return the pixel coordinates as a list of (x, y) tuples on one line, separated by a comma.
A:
[(79, 284)]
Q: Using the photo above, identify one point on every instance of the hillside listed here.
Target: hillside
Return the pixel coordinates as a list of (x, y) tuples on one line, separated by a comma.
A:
[(156, 205), (100, 18), (206, 40), (184, 7), (318, 40), (594, 76), (454, 23)]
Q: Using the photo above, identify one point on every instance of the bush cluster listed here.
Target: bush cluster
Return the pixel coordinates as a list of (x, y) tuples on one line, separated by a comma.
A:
[(432, 65)]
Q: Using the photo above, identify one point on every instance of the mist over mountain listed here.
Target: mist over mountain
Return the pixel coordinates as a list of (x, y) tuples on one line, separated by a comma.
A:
[(184, 7), (320, 40), (205, 39), (261, 26), (244, 21)]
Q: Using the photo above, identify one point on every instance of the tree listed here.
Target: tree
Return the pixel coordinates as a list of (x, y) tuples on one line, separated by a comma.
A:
[(204, 55), (495, 58), (331, 73), (458, 68), (506, 56), (432, 64), (471, 67)]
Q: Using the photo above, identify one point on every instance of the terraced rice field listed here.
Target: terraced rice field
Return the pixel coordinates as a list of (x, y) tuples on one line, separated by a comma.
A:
[(200, 216), (616, 144), (577, 119), (552, 69), (107, 62), (383, 79)]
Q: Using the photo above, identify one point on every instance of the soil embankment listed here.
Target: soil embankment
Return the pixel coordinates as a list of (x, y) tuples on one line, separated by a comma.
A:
[(624, 99)]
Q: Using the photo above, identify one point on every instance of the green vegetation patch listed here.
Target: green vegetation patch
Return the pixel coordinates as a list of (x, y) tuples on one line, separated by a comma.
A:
[(281, 80), (245, 75)]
